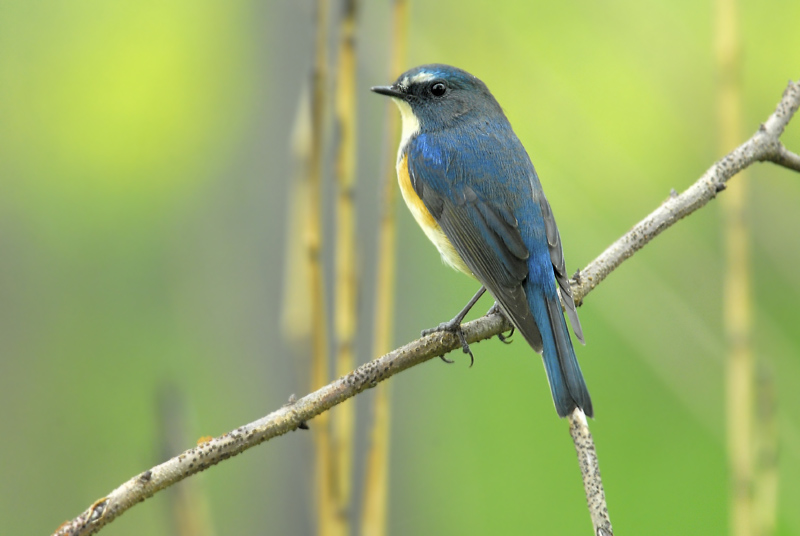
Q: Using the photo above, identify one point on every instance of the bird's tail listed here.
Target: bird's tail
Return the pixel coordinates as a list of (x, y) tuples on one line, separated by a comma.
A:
[(563, 372)]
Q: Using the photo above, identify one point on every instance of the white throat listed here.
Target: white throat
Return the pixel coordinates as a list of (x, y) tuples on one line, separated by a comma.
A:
[(410, 124)]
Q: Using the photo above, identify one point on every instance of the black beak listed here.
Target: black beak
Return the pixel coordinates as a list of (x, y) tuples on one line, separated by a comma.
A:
[(389, 91)]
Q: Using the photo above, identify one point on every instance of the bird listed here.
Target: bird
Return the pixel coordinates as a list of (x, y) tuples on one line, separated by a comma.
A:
[(472, 188)]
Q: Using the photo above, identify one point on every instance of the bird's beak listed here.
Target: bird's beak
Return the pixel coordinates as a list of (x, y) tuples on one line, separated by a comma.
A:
[(388, 91)]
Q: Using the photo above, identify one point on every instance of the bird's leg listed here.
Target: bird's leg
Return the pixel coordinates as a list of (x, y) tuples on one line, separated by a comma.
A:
[(454, 326), (495, 309)]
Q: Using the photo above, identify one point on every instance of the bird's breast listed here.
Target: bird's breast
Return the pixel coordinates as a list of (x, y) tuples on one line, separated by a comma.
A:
[(425, 220)]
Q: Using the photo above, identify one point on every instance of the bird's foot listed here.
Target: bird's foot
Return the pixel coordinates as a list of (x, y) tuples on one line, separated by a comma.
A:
[(454, 327), (506, 339), (495, 309)]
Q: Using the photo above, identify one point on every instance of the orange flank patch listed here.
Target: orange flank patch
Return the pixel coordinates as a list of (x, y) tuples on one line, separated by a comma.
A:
[(414, 202), (425, 220)]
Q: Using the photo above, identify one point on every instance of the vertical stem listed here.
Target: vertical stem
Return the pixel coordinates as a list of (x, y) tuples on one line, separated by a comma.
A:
[(376, 486), (316, 283), (766, 454), (590, 471), (295, 310), (345, 316), (737, 302), (188, 503)]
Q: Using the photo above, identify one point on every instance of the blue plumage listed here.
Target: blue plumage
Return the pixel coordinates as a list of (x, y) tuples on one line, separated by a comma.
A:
[(483, 202)]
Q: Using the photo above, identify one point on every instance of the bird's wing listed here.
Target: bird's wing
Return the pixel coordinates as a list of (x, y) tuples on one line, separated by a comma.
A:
[(559, 266), (483, 231)]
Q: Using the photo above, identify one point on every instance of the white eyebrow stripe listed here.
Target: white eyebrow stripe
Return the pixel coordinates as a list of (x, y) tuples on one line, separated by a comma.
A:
[(421, 77)]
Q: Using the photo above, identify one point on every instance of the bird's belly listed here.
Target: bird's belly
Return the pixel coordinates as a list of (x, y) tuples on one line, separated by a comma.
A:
[(425, 220)]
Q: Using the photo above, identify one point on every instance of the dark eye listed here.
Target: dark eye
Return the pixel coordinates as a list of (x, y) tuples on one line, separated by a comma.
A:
[(438, 89)]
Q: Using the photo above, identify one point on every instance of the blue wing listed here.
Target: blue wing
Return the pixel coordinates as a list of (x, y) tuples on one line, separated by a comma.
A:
[(485, 233), (488, 201)]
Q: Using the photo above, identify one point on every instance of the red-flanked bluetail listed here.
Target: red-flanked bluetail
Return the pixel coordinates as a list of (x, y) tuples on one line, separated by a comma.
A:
[(472, 188)]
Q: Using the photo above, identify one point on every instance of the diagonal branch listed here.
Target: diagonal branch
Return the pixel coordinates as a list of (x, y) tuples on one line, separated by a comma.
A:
[(764, 146), (286, 419)]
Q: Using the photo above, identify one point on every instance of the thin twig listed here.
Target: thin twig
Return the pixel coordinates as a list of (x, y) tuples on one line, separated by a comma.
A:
[(763, 146), (787, 159), (590, 470)]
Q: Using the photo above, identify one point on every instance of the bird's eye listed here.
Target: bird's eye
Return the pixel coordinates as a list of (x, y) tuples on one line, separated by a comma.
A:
[(438, 89)]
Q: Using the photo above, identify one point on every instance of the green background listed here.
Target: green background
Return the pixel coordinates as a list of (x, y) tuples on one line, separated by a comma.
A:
[(144, 164)]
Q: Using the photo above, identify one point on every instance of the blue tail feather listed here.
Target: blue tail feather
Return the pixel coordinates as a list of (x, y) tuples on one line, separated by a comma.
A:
[(563, 371)]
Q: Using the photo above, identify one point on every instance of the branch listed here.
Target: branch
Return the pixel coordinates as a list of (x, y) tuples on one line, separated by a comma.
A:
[(763, 146), (590, 470), (288, 418)]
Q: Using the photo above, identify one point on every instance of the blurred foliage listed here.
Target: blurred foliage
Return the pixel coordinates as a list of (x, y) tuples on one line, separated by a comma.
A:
[(143, 164)]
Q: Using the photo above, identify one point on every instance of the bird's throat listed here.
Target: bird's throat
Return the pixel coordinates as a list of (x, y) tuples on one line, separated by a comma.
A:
[(410, 125)]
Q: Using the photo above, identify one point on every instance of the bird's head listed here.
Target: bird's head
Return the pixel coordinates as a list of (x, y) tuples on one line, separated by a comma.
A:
[(432, 97)]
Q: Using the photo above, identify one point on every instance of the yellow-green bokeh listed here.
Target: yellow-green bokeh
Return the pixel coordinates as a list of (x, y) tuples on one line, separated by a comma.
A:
[(144, 162)]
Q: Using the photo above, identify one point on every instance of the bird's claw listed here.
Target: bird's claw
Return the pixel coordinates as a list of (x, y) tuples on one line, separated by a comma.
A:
[(495, 310), (506, 339), (453, 327)]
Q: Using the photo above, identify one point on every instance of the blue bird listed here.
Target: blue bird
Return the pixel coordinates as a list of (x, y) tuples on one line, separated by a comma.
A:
[(471, 186)]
